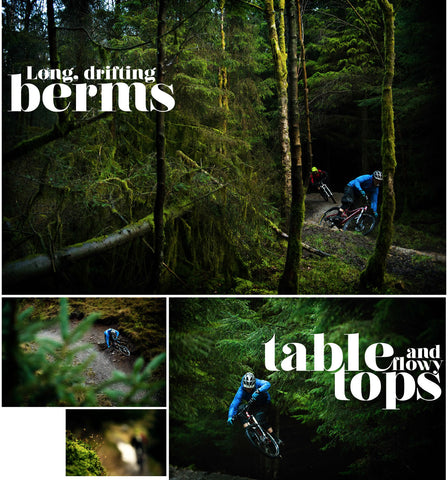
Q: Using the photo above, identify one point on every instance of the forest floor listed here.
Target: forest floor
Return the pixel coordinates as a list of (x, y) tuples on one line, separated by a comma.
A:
[(416, 262), (186, 474), (104, 361)]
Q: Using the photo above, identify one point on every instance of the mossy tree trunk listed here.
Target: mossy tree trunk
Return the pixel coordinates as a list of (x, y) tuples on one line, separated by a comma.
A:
[(222, 75), (289, 282), (309, 159), (278, 48), (373, 276), (159, 234)]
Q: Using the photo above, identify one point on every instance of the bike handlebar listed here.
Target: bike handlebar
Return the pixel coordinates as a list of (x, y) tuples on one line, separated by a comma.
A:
[(246, 408)]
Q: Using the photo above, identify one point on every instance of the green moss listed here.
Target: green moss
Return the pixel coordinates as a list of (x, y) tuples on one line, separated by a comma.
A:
[(81, 459)]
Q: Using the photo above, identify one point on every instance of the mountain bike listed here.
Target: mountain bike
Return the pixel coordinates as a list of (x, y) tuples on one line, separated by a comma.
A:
[(357, 220), (262, 440), (120, 347), (326, 193)]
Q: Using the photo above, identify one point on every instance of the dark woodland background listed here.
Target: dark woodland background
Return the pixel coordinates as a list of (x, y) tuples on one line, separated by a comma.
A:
[(213, 342), (76, 178)]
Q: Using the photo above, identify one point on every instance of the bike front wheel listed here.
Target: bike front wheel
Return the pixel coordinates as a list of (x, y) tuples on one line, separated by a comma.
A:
[(329, 217), (263, 443), (323, 193), (123, 349), (363, 225)]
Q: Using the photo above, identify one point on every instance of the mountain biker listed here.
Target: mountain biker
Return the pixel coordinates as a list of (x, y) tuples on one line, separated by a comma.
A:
[(110, 334), (317, 177), (138, 441), (256, 389), (360, 186)]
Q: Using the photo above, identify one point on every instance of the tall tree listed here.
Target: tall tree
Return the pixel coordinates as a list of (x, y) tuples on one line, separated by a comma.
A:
[(278, 48), (222, 74), (289, 282), (309, 162), (54, 57), (159, 234), (373, 276)]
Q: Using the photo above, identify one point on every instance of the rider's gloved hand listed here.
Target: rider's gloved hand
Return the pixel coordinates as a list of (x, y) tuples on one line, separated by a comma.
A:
[(375, 214), (255, 395), (363, 193), (230, 421)]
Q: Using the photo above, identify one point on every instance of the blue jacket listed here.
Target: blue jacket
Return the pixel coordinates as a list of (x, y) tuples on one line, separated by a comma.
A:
[(108, 332), (263, 399), (364, 183)]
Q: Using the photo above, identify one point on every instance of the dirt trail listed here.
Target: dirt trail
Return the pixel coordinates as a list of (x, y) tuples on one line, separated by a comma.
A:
[(184, 474), (104, 362), (315, 207)]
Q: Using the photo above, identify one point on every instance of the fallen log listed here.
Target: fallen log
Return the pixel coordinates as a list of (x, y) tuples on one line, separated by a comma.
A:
[(42, 264)]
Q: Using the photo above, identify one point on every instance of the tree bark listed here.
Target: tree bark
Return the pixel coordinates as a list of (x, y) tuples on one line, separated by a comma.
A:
[(289, 282), (159, 234), (222, 74), (308, 165), (373, 276), (60, 103), (278, 48)]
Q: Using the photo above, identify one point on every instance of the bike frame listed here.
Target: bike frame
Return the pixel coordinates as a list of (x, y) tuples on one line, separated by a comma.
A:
[(353, 213), (253, 422), (262, 438)]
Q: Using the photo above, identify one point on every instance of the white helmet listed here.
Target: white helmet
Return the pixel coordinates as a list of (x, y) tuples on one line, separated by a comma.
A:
[(377, 175), (249, 380)]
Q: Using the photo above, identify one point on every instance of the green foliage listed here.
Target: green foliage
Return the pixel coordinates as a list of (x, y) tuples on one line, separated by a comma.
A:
[(81, 459), (231, 334), (142, 389), (101, 177), (45, 367)]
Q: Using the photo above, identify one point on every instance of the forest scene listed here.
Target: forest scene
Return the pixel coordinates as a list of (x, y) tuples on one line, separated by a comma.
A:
[(393, 433), (54, 352), (204, 189), (115, 442)]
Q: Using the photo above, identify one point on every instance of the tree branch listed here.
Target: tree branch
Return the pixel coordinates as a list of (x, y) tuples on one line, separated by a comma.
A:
[(58, 131)]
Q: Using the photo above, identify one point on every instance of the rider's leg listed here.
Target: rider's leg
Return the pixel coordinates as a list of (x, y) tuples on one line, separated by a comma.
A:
[(347, 199)]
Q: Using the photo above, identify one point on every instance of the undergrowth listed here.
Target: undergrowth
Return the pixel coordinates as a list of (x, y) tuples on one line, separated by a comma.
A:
[(45, 371)]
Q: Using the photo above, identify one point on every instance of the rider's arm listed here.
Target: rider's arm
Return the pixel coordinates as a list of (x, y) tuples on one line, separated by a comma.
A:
[(357, 183), (235, 403), (374, 200), (262, 385), (107, 333)]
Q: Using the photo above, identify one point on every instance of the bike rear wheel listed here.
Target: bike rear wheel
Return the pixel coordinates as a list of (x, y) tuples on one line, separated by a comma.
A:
[(328, 218), (264, 444), (364, 225)]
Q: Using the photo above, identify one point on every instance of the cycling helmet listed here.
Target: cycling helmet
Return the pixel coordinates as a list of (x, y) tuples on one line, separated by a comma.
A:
[(249, 380), (114, 334), (377, 175), (314, 169)]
